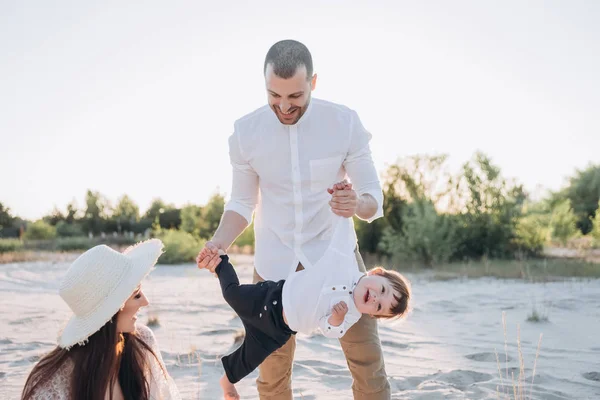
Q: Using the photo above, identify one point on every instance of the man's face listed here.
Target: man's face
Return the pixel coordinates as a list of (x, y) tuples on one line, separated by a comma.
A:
[(289, 98)]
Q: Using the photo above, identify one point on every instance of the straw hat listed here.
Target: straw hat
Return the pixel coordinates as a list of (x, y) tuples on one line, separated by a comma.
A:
[(99, 282)]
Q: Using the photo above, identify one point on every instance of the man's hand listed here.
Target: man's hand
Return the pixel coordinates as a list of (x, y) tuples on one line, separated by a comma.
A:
[(209, 258), (338, 312), (344, 200)]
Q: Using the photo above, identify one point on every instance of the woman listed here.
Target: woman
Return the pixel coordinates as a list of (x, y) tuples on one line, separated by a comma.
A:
[(101, 354)]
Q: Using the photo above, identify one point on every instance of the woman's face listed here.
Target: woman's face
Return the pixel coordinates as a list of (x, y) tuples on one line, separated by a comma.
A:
[(128, 315)]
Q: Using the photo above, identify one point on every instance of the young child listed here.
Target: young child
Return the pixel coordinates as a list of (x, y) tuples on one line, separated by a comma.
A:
[(331, 295)]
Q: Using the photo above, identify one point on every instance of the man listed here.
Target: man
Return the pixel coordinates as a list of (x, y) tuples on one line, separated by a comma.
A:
[(292, 151)]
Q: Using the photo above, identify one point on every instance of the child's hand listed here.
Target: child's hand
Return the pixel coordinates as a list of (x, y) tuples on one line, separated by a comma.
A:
[(338, 312), (208, 257), (343, 185), (344, 199)]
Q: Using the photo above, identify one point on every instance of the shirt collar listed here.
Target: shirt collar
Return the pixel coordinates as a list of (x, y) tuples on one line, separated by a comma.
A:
[(356, 277)]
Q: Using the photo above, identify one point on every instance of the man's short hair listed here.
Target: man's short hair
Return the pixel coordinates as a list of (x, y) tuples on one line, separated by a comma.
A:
[(286, 56)]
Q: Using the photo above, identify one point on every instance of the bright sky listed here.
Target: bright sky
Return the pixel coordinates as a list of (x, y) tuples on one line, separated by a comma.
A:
[(140, 99)]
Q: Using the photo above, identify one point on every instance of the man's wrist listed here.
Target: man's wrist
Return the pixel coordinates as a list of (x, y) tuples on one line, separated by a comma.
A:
[(218, 244), (366, 206)]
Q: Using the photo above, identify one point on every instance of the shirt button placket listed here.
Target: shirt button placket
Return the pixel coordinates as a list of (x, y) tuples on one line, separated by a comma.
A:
[(296, 181)]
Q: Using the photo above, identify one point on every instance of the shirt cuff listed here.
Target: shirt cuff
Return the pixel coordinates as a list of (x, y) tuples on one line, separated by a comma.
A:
[(330, 331), (239, 208)]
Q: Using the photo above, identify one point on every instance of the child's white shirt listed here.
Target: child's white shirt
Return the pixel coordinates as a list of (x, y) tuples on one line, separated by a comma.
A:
[(309, 295)]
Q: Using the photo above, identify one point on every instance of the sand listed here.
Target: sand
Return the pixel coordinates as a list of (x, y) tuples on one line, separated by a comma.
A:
[(446, 349)]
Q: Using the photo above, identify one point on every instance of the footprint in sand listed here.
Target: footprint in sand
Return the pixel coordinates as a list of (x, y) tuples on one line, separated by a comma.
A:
[(592, 376), (488, 357), (216, 332), (462, 379), (396, 345)]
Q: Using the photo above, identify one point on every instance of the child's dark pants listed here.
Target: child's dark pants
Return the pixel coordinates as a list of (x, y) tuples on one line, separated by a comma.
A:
[(260, 309)]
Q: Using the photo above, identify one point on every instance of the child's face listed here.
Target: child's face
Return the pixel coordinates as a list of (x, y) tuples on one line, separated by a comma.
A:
[(374, 295)]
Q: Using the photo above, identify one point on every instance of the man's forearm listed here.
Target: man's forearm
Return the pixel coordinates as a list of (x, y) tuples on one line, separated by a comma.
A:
[(231, 226), (367, 207)]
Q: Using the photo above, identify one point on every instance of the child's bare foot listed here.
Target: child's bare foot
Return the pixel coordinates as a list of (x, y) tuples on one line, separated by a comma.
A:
[(229, 392)]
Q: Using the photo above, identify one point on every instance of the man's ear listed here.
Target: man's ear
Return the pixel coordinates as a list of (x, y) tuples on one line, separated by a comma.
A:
[(313, 82)]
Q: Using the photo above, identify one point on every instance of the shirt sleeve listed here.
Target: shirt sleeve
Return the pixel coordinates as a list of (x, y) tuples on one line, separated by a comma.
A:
[(244, 187), (360, 167), (336, 332)]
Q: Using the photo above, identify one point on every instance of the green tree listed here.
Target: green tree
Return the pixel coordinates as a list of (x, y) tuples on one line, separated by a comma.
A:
[(491, 207), (97, 208), (595, 232), (191, 219), (584, 193), (126, 214), (71, 212), (156, 208), (54, 217), (211, 216), (168, 215), (6, 219)]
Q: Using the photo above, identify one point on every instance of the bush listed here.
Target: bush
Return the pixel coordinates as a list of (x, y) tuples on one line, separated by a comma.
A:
[(180, 247), (74, 243), (531, 234), (595, 222), (8, 245), (64, 229), (426, 236), (39, 230), (563, 223)]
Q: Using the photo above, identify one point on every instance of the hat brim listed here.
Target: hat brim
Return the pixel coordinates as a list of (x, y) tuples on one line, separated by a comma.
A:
[(143, 256)]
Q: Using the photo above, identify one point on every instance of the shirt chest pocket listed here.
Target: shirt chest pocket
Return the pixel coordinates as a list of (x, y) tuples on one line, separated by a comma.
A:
[(335, 294), (324, 172)]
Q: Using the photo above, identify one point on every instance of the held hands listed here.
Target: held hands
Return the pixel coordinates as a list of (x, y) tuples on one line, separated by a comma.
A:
[(338, 312), (344, 200), (209, 257)]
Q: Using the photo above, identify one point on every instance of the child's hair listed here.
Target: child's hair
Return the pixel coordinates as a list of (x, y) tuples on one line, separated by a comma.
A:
[(401, 286)]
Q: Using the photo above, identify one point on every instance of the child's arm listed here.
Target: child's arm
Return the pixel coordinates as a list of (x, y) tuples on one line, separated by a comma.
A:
[(338, 312), (333, 327)]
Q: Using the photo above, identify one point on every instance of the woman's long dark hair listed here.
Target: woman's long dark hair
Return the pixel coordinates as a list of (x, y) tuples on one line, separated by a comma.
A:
[(108, 356)]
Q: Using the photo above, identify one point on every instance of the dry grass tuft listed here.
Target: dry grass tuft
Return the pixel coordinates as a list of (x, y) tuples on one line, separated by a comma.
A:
[(518, 383)]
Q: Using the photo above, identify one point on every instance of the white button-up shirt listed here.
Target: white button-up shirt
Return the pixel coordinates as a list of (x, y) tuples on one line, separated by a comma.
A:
[(309, 295), (282, 172)]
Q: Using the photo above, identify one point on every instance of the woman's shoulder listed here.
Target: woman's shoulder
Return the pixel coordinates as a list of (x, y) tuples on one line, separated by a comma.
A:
[(145, 334), (58, 386)]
